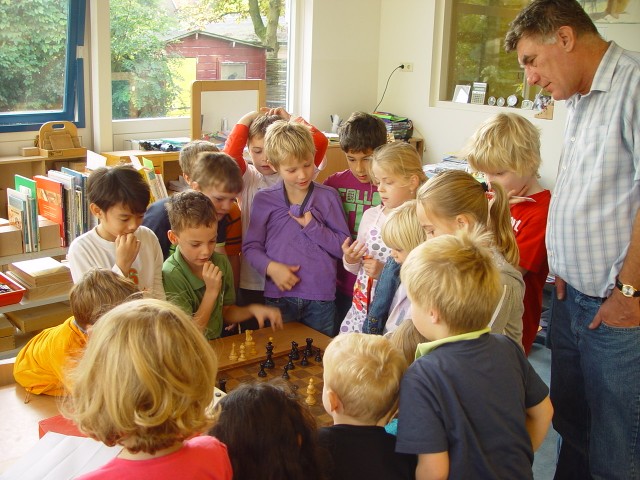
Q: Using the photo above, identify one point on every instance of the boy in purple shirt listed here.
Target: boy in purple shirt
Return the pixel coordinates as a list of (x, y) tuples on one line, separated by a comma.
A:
[(296, 231), (360, 135)]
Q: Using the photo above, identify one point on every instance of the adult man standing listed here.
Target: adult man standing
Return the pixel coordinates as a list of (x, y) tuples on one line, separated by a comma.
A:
[(593, 237)]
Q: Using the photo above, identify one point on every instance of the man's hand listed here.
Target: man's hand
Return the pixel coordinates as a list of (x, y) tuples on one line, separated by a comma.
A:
[(127, 248), (353, 252), (618, 311), (212, 277), (263, 313), (372, 267), (280, 112), (304, 220), (283, 275)]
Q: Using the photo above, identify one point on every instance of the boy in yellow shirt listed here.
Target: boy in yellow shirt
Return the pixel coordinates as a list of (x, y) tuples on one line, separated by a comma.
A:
[(40, 365)]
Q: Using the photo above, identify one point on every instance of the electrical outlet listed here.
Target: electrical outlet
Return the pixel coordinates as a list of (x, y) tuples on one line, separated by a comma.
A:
[(408, 67)]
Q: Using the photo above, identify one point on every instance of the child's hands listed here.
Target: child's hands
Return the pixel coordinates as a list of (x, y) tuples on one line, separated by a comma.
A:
[(212, 277), (372, 267), (353, 252), (263, 313), (127, 248), (283, 275), (304, 220), (281, 112)]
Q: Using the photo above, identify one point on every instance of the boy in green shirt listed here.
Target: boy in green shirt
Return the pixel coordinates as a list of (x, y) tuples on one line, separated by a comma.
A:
[(195, 277)]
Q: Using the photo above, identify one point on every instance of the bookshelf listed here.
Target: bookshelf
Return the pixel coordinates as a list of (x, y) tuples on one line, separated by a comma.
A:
[(165, 163)]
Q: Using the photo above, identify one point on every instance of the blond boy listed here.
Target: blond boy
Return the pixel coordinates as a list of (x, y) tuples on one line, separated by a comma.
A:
[(362, 376), (471, 405), (40, 365), (296, 231), (198, 279), (506, 148)]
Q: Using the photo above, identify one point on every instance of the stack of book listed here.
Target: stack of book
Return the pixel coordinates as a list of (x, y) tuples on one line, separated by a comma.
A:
[(42, 277)]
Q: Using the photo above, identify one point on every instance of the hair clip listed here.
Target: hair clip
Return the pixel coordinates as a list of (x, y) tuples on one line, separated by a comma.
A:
[(485, 186)]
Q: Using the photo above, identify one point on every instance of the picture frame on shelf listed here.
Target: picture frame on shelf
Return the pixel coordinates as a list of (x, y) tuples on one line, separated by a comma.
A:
[(461, 94)]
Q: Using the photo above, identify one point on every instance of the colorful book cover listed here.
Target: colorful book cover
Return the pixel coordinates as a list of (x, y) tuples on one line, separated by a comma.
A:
[(50, 195), (17, 215), (28, 187), (81, 189), (70, 209)]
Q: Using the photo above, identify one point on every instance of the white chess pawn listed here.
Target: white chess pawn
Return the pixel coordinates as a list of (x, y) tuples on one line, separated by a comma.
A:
[(242, 356), (233, 356), (311, 390)]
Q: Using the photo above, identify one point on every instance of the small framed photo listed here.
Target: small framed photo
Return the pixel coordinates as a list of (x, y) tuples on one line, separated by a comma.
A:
[(461, 93)]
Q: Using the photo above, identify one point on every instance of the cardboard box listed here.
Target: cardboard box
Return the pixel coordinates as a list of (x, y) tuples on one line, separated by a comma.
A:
[(11, 240), (49, 233), (38, 318)]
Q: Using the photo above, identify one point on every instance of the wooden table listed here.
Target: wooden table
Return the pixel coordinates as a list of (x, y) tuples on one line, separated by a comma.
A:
[(19, 420)]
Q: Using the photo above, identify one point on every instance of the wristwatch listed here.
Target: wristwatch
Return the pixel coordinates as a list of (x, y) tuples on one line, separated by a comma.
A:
[(627, 290)]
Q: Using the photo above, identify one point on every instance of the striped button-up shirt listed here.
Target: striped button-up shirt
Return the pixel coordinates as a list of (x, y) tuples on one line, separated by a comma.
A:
[(597, 191)]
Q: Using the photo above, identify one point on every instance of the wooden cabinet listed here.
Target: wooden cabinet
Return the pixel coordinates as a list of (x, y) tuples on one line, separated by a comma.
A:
[(337, 161), (165, 163)]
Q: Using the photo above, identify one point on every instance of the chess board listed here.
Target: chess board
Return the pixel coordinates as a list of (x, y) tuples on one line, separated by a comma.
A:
[(237, 372)]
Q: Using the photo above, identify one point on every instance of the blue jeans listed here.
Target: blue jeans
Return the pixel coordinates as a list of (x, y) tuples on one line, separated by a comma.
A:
[(316, 314), (595, 391)]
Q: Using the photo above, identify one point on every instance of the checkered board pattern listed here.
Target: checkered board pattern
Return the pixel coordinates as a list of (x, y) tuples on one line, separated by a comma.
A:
[(298, 378)]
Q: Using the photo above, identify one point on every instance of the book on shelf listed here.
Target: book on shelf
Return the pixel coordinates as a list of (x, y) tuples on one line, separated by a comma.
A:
[(45, 291), (69, 203), (27, 186), (18, 216), (51, 203), (40, 271), (81, 189), (155, 182)]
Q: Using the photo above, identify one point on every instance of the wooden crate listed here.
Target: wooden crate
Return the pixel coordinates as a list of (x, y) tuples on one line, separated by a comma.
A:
[(60, 140)]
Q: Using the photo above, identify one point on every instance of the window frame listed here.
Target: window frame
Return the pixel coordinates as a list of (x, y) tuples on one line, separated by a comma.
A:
[(73, 109)]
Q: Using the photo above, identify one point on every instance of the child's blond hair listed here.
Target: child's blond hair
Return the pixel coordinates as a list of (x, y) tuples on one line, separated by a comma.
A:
[(455, 275), (190, 209), (402, 229), (506, 141), (406, 339), (401, 159), (454, 192), (97, 292), (216, 169), (145, 379), (189, 153), (364, 371), (288, 141)]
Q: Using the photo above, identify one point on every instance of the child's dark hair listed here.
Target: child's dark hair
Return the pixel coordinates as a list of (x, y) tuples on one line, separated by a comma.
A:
[(216, 169), (269, 433), (362, 132), (190, 209), (108, 187), (258, 128)]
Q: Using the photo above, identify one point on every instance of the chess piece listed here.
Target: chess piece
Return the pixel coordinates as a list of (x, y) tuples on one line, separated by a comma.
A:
[(242, 356), (309, 348), (311, 390), (318, 356), (252, 349), (291, 365), (222, 384), (261, 372), (233, 356), (271, 342), (294, 350), (248, 337), (269, 348), (285, 373), (269, 363), (305, 360)]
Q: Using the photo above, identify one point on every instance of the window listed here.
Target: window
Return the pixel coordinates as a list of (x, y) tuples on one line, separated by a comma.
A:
[(476, 52), (155, 58), (41, 74)]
